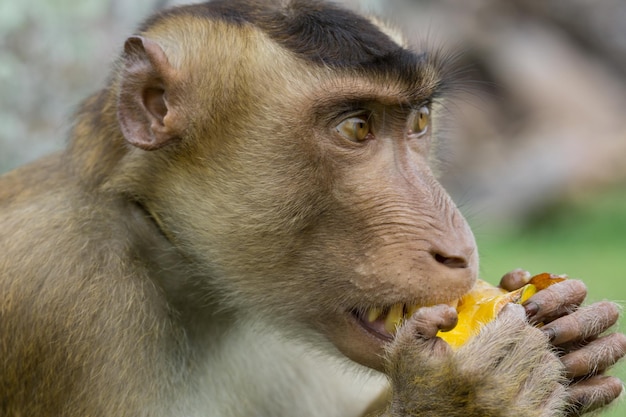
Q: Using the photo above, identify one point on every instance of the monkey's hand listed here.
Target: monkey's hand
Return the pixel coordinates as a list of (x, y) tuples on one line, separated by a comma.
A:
[(509, 369), (575, 332)]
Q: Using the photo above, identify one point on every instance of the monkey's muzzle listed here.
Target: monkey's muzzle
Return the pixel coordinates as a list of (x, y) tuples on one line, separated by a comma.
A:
[(475, 309)]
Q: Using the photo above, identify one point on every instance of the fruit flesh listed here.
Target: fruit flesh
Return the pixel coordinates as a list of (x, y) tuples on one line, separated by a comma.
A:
[(483, 303)]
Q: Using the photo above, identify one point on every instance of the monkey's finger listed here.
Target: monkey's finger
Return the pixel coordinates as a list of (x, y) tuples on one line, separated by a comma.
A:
[(593, 393), (515, 279), (583, 324), (555, 301), (416, 340), (596, 356), (427, 321)]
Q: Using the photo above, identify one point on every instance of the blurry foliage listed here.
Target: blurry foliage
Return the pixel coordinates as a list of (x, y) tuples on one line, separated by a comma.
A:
[(596, 219)]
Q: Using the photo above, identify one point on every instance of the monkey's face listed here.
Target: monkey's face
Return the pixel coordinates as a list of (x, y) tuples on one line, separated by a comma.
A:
[(304, 194), (329, 217)]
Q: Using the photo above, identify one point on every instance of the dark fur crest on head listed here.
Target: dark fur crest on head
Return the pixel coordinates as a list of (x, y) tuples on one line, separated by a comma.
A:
[(316, 31), (319, 33)]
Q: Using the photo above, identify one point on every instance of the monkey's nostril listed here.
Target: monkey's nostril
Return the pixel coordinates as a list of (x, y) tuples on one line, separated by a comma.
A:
[(450, 261)]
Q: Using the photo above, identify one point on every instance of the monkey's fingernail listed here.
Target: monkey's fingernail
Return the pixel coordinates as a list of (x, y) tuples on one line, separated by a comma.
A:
[(531, 309), (550, 332)]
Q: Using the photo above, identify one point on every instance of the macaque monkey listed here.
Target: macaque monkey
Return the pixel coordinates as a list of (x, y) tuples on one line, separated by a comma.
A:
[(242, 218)]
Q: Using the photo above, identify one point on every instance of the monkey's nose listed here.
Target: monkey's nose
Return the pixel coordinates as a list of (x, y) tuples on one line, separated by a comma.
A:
[(451, 261)]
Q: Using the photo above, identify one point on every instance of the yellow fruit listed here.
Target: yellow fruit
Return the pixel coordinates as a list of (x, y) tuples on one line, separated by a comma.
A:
[(483, 303)]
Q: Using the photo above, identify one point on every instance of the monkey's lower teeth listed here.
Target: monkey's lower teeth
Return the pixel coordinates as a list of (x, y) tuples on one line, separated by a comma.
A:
[(389, 319)]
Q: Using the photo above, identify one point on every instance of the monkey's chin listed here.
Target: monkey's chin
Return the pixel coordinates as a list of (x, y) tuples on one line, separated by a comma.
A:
[(358, 343)]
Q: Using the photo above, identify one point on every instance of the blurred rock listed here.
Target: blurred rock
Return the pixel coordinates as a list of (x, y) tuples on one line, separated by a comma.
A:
[(550, 122)]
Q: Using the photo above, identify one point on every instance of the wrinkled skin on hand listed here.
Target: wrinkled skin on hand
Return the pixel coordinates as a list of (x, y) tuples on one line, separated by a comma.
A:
[(514, 367), (576, 332)]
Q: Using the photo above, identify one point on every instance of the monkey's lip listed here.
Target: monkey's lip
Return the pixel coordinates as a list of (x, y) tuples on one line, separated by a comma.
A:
[(383, 322), (376, 329)]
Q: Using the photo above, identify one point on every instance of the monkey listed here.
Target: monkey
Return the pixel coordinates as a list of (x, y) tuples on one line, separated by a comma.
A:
[(245, 222)]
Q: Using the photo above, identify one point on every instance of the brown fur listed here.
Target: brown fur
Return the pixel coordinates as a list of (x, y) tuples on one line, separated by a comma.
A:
[(199, 247)]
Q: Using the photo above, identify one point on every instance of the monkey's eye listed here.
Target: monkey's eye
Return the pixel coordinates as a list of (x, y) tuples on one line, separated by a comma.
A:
[(356, 129), (420, 122)]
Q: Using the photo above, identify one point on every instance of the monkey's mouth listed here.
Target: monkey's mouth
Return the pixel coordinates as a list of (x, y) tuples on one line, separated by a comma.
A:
[(383, 322)]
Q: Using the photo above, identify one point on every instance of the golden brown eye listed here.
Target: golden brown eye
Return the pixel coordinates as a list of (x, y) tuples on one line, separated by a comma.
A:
[(421, 121), (355, 129)]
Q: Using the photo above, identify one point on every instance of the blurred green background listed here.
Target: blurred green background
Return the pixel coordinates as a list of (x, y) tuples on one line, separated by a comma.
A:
[(536, 159)]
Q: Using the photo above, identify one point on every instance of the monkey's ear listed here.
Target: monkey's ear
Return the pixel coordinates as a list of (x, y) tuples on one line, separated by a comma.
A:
[(147, 119)]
